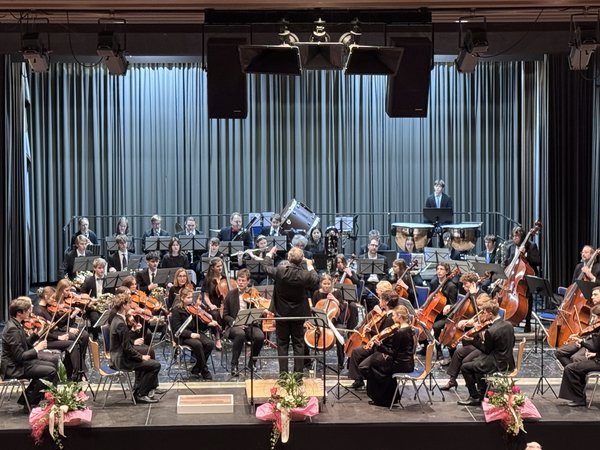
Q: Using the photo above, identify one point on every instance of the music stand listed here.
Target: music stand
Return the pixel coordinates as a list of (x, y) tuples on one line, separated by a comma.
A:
[(349, 292), (83, 263), (437, 216), (112, 280), (389, 255), (463, 266), (136, 262), (279, 242), (157, 243), (586, 288), (407, 257), (111, 244), (371, 266), (164, 276), (255, 267), (496, 270), (178, 376), (435, 255), (248, 318), (265, 290), (320, 261), (230, 247), (193, 243), (540, 286)]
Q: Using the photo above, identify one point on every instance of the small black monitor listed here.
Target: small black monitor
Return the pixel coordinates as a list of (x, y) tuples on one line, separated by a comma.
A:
[(437, 215)]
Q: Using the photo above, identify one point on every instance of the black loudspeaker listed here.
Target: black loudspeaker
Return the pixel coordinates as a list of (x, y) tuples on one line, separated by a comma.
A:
[(408, 90), (226, 83)]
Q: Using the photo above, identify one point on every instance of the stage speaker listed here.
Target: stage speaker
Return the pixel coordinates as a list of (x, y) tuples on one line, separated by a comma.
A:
[(408, 90), (226, 83)]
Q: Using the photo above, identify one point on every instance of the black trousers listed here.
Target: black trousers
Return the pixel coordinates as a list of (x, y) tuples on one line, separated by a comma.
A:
[(239, 335), (461, 356), (572, 386), (570, 353), (201, 348), (38, 370), (146, 377), (286, 331), (474, 379), (358, 355)]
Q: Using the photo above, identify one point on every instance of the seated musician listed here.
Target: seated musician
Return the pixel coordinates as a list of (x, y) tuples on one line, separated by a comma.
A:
[(388, 300), (180, 280), (155, 229), (371, 280), (393, 352), (146, 278), (237, 300), (260, 250), (191, 231), (84, 230), (450, 291), (146, 312), (78, 250), (212, 294), (582, 270), (275, 228), (235, 232), (573, 382), (467, 351), (574, 351), (374, 234), (20, 354), (192, 336), (316, 243), (349, 310), (404, 284), (124, 356), (301, 242), (119, 260), (496, 343), (174, 258), (64, 333)]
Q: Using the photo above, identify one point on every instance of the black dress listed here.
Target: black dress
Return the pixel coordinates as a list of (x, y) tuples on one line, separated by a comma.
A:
[(395, 354)]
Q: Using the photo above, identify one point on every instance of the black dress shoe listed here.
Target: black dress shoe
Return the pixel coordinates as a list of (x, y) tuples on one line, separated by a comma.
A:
[(206, 374), (449, 385), (145, 399), (470, 402), (576, 404), (358, 384)]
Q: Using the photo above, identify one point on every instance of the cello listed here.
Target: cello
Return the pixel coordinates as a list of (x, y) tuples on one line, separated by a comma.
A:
[(434, 305), (465, 310), (513, 293), (573, 313)]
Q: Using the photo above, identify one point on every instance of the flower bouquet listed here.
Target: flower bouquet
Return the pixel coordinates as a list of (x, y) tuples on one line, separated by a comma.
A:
[(505, 402), (63, 405), (80, 278), (287, 403)]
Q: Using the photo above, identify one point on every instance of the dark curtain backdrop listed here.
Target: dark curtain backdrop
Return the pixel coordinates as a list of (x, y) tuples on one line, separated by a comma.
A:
[(570, 172)]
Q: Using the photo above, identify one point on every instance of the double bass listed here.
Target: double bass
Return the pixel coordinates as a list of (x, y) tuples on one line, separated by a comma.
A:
[(573, 313), (434, 305), (513, 293)]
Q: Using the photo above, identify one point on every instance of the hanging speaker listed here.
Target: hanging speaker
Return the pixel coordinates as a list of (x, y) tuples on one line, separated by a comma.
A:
[(226, 83)]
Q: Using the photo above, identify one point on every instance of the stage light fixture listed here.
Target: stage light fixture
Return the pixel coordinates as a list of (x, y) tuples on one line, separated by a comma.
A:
[(372, 60), (112, 55), (582, 46), (35, 52), (472, 42)]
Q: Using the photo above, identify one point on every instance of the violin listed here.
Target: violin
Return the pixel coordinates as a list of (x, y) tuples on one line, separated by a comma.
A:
[(589, 330), (81, 300), (34, 324), (201, 314), (382, 335), (56, 309), (476, 329), (144, 301)]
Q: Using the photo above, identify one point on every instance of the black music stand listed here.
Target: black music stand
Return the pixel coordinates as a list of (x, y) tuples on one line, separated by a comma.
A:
[(84, 263), (266, 291), (157, 243), (279, 242), (435, 255), (438, 217), (495, 270), (178, 375), (371, 266), (193, 243), (112, 280), (349, 292), (164, 276), (111, 244), (540, 286), (248, 318), (136, 262), (586, 288)]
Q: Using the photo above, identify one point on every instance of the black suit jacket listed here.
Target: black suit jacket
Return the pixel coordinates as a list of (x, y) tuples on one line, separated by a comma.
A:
[(494, 257), (122, 353), (531, 250), (115, 261), (89, 287), (226, 234), (446, 201), (450, 290), (496, 347), (91, 237), (17, 349), (69, 262), (143, 280), (578, 267), (292, 284)]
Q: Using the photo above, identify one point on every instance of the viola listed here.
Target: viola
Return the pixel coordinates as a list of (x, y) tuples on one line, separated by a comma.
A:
[(513, 294), (435, 303), (201, 314), (382, 335)]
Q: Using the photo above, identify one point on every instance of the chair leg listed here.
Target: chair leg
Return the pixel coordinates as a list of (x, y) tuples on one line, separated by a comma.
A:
[(418, 395), (107, 391), (23, 388), (593, 393), (395, 395), (130, 387)]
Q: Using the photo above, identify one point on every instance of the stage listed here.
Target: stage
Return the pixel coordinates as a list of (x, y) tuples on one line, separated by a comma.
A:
[(347, 423)]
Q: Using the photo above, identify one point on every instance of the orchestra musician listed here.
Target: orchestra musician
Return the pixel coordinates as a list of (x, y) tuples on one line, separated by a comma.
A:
[(84, 230), (399, 269), (327, 292), (439, 199), (191, 336), (316, 244), (371, 280), (213, 297), (388, 300), (573, 382), (20, 354), (190, 230), (94, 284), (496, 344), (301, 242), (589, 274), (574, 351), (155, 229), (119, 260), (490, 253), (532, 255), (63, 335), (374, 234), (240, 299), (290, 299), (124, 356), (260, 250), (79, 249), (341, 268), (275, 228), (180, 281), (146, 279), (393, 352), (174, 257), (235, 232), (122, 228)]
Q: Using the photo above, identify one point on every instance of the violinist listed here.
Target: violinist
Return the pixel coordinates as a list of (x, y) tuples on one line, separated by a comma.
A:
[(141, 315), (240, 299), (532, 255), (124, 356), (174, 257), (589, 274), (393, 352), (328, 295), (496, 342), (191, 336), (180, 280), (402, 285), (573, 382), (574, 351), (20, 354), (450, 291), (212, 286), (63, 335), (388, 300), (146, 279)]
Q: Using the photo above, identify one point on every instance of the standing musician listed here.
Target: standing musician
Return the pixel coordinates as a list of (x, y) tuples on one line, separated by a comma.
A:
[(124, 356), (402, 285), (388, 300), (235, 232), (63, 335), (589, 274), (20, 354), (191, 336), (237, 300), (292, 281), (213, 295), (439, 199), (496, 343), (450, 291), (532, 255), (573, 382), (574, 351), (393, 352)]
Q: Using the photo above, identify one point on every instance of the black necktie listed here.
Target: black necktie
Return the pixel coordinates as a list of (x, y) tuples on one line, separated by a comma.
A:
[(124, 262), (151, 278)]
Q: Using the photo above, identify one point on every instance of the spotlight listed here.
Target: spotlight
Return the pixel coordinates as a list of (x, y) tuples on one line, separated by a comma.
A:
[(34, 52), (110, 50), (583, 44), (319, 34), (471, 46)]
